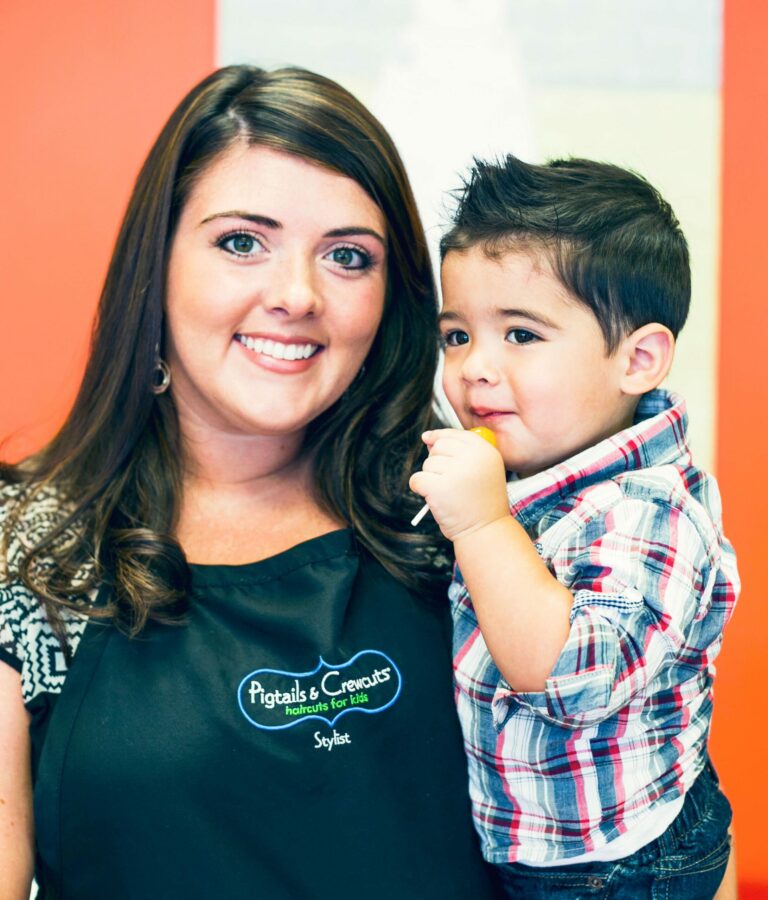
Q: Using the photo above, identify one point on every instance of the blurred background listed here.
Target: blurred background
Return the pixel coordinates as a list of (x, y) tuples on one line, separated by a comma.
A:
[(674, 89)]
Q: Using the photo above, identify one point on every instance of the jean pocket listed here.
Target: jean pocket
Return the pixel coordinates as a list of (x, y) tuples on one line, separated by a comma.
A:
[(704, 839), (694, 855), (696, 876)]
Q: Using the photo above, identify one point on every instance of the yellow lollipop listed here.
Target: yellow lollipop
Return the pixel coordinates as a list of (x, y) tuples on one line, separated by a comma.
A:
[(481, 431), (485, 433)]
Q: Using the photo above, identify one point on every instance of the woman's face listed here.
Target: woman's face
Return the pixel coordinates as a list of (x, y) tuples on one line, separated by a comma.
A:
[(275, 292)]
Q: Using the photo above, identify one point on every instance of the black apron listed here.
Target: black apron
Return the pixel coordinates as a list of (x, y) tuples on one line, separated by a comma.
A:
[(296, 738)]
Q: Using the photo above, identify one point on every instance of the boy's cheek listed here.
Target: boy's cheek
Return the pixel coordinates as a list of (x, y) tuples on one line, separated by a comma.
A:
[(454, 393)]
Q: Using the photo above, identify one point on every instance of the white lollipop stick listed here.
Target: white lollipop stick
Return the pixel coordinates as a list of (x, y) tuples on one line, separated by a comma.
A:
[(420, 514)]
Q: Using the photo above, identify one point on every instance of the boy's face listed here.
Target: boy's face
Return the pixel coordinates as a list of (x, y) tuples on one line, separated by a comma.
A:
[(527, 360)]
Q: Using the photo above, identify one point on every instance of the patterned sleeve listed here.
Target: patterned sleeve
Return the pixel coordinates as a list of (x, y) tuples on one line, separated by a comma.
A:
[(642, 577), (10, 646), (27, 641), (11, 651)]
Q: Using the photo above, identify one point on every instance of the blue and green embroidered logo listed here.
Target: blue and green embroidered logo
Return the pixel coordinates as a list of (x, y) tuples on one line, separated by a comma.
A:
[(369, 683)]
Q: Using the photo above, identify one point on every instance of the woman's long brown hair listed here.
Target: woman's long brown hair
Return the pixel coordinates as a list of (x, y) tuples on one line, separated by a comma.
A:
[(116, 464)]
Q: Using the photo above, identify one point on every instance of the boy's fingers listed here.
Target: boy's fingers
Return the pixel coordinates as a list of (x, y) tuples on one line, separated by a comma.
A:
[(414, 483), (453, 447), (437, 464), (430, 437), (422, 482)]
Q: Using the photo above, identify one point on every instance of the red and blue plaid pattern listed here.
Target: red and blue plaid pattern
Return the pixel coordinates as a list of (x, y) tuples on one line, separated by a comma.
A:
[(634, 530)]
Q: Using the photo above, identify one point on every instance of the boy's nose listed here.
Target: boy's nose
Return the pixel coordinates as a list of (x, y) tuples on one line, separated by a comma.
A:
[(478, 368)]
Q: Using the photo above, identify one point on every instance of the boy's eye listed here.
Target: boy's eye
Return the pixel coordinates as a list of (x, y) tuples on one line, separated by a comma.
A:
[(241, 243), (349, 257), (455, 338), (520, 336)]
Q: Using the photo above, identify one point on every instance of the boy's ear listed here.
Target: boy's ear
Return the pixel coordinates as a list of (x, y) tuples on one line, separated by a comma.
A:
[(647, 355)]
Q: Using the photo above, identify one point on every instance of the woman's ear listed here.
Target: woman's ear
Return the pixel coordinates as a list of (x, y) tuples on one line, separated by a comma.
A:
[(647, 354)]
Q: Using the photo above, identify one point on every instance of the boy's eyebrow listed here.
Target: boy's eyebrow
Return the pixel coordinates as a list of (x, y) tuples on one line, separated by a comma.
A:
[(266, 222), (526, 314), (505, 313)]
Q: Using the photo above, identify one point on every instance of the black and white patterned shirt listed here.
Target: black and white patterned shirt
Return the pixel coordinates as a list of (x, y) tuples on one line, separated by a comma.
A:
[(27, 641)]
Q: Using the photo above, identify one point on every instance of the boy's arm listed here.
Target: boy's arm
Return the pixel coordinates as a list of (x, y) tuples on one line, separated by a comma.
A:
[(522, 610), (646, 586)]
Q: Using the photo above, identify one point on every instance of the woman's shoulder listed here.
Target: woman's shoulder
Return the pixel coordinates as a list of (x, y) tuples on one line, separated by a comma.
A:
[(28, 512), (29, 644), (40, 498), (27, 641), (11, 494)]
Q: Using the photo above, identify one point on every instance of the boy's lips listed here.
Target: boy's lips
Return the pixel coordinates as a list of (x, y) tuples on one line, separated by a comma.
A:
[(486, 412)]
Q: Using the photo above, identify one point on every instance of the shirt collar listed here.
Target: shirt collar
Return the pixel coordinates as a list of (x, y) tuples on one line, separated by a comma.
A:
[(656, 438)]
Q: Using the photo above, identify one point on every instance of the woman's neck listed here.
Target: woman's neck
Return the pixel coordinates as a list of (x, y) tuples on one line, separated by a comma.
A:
[(246, 497), (220, 457)]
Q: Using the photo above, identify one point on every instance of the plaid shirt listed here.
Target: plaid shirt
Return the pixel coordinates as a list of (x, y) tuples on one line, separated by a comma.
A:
[(634, 531)]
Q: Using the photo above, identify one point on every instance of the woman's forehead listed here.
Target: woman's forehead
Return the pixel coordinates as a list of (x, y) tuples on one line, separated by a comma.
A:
[(283, 186)]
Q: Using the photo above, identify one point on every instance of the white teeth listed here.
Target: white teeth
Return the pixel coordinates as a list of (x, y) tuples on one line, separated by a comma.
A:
[(278, 350)]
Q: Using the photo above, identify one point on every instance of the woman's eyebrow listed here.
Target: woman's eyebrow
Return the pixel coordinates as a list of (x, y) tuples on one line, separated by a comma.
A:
[(353, 230), (265, 221)]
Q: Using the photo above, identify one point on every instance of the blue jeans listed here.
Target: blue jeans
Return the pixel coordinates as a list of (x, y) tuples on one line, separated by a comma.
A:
[(687, 862)]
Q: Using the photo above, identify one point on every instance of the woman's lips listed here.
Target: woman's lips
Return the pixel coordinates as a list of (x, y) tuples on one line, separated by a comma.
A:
[(283, 355)]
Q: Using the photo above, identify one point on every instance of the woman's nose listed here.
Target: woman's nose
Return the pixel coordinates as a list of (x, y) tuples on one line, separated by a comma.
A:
[(294, 290)]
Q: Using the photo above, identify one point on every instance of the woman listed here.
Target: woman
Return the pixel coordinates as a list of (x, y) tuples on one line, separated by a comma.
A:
[(234, 681)]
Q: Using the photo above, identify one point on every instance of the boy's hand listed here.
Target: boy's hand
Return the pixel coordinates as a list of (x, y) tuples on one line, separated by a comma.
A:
[(463, 481)]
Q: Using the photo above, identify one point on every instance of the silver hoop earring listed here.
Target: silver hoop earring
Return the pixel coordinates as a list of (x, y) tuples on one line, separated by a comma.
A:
[(161, 377)]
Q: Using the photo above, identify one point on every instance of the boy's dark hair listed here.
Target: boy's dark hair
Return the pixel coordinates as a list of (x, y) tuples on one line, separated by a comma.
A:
[(611, 238)]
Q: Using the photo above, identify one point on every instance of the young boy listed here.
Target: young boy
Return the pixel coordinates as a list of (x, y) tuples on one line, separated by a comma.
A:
[(591, 591)]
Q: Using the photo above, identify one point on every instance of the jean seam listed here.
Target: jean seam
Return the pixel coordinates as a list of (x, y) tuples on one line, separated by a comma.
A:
[(581, 878), (708, 817), (700, 865), (706, 814)]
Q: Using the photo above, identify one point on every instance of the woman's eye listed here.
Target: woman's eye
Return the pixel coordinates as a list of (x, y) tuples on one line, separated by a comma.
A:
[(241, 244), (349, 257), (455, 338), (521, 336)]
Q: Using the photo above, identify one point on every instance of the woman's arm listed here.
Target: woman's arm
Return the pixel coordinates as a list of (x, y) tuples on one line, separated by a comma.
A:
[(16, 830)]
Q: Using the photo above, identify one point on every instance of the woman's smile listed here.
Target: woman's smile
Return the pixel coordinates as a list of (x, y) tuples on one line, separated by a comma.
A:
[(284, 355)]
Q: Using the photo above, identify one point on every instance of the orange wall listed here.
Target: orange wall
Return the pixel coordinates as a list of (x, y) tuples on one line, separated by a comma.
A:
[(741, 733), (87, 86)]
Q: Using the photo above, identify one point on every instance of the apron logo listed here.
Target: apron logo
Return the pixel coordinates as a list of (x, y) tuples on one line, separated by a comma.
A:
[(369, 683)]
